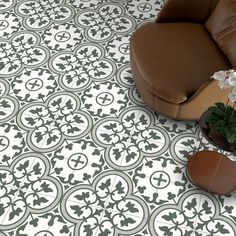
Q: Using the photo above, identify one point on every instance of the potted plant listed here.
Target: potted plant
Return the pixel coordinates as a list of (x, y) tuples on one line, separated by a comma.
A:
[(221, 118)]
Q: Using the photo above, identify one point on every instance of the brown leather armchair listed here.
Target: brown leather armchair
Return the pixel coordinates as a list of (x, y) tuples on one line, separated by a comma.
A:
[(173, 59)]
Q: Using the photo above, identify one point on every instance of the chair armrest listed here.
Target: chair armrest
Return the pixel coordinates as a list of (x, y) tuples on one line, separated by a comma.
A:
[(186, 11), (207, 95)]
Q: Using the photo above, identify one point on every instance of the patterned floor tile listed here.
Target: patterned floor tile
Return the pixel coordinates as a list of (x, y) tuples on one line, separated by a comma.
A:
[(144, 10), (81, 153)]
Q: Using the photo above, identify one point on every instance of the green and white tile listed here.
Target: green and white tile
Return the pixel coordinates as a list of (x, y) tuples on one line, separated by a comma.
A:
[(80, 152)]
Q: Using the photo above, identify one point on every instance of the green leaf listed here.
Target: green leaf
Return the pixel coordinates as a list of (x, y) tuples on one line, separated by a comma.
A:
[(2, 210), (37, 170), (166, 230), (206, 207), (130, 117), (37, 53), (32, 21), (57, 102), (37, 110), (105, 185), (221, 228), (46, 188), (15, 213), (103, 65), (82, 196), (220, 105), (230, 137), (30, 121), (69, 105), (131, 207), (88, 230), (61, 66), (170, 217), (150, 146), (52, 139), (38, 136), (23, 166), (2, 113), (188, 143), (39, 201), (78, 119), (154, 135), (192, 204), (5, 104), (105, 232), (106, 137), (111, 126), (127, 221), (77, 210), (217, 111), (72, 130), (117, 153), (119, 187), (30, 41), (2, 177), (19, 39), (143, 120), (130, 156), (94, 53)]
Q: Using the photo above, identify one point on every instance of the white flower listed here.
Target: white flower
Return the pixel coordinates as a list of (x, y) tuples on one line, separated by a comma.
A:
[(226, 78), (224, 84), (232, 79), (220, 75), (232, 96)]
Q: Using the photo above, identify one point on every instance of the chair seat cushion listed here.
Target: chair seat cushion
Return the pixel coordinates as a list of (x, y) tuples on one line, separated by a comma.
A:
[(175, 59)]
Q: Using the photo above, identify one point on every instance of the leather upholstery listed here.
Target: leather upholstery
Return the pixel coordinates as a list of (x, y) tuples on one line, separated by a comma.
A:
[(222, 26), (186, 10), (173, 58), (177, 45)]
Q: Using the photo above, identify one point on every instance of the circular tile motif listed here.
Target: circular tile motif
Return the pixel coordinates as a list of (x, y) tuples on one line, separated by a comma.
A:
[(4, 143), (34, 84), (124, 48), (77, 161), (26, 188), (9, 24), (6, 5), (104, 22), (129, 138), (144, 7), (78, 69), (50, 123), (81, 154), (8, 105), (3, 24), (49, 11), (62, 36), (184, 217), (44, 233), (104, 99), (22, 50), (160, 179), (111, 193)]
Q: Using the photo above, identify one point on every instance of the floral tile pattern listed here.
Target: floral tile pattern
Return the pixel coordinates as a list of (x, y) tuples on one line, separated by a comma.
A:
[(80, 152)]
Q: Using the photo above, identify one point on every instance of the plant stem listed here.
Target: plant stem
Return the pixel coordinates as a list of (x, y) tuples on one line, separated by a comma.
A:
[(227, 102), (232, 112), (226, 105)]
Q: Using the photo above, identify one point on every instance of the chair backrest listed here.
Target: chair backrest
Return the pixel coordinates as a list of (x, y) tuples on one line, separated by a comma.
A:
[(222, 26), (186, 11)]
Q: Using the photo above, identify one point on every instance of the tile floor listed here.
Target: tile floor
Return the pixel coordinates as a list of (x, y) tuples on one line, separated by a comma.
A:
[(81, 154)]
